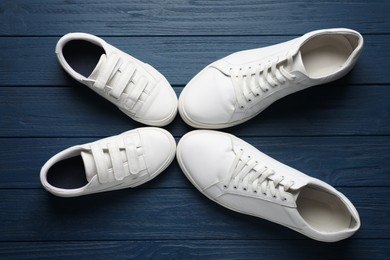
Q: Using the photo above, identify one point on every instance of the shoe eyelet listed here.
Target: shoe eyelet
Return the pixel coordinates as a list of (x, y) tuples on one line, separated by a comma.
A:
[(225, 186), (284, 199), (244, 189), (255, 191), (274, 196), (264, 193), (235, 187), (242, 107)]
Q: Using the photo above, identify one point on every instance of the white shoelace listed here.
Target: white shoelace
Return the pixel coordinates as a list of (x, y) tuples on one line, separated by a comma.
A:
[(117, 172), (246, 172), (110, 69), (250, 82)]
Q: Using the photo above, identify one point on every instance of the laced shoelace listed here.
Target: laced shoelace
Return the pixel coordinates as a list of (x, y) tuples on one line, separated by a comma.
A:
[(251, 81), (117, 172), (247, 173), (112, 67)]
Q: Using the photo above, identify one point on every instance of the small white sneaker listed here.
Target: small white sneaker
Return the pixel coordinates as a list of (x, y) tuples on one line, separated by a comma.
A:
[(126, 160), (239, 177), (136, 88), (238, 87)]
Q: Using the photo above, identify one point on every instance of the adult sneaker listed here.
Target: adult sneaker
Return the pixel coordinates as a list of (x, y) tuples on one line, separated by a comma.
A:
[(236, 88), (239, 177), (136, 88), (126, 160)]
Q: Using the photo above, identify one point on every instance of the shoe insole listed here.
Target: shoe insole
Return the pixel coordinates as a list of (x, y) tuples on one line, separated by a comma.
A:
[(68, 174), (82, 56), (325, 54), (323, 211)]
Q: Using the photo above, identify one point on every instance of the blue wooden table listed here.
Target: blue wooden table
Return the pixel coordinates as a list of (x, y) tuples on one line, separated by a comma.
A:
[(338, 132)]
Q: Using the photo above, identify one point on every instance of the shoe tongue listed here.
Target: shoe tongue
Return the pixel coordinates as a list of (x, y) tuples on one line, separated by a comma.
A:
[(297, 64), (296, 189), (89, 165), (98, 67), (295, 194)]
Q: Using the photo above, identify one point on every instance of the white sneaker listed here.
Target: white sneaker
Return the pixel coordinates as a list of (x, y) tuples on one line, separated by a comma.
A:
[(236, 88), (239, 177), (126, 160), (136, 88)]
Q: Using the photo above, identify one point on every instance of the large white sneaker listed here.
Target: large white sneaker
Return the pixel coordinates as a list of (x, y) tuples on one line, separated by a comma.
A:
[(239, 177), (236, 88), (126, 160), (136, 88)]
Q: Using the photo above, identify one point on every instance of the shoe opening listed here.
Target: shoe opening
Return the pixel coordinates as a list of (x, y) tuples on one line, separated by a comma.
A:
[(324, 211), (325, 54), (68, 174), (82, 56)]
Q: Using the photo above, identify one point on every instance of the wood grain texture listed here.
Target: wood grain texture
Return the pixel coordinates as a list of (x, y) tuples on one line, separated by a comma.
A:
[(196, 249), (330, 109), (185, 17), (31, 61), (340, 161), (338, 132), (149, 214)]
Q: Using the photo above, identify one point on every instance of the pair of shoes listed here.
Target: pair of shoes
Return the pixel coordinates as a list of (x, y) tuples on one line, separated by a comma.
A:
[(137, 89), (223, 167), (235, 174)]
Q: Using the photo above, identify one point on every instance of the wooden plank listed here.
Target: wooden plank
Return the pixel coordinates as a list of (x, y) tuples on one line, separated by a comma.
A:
[(340, 161), (338, 132), (197, 249), (32, 61), (35, 215), (77, 111), (202, 17)]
